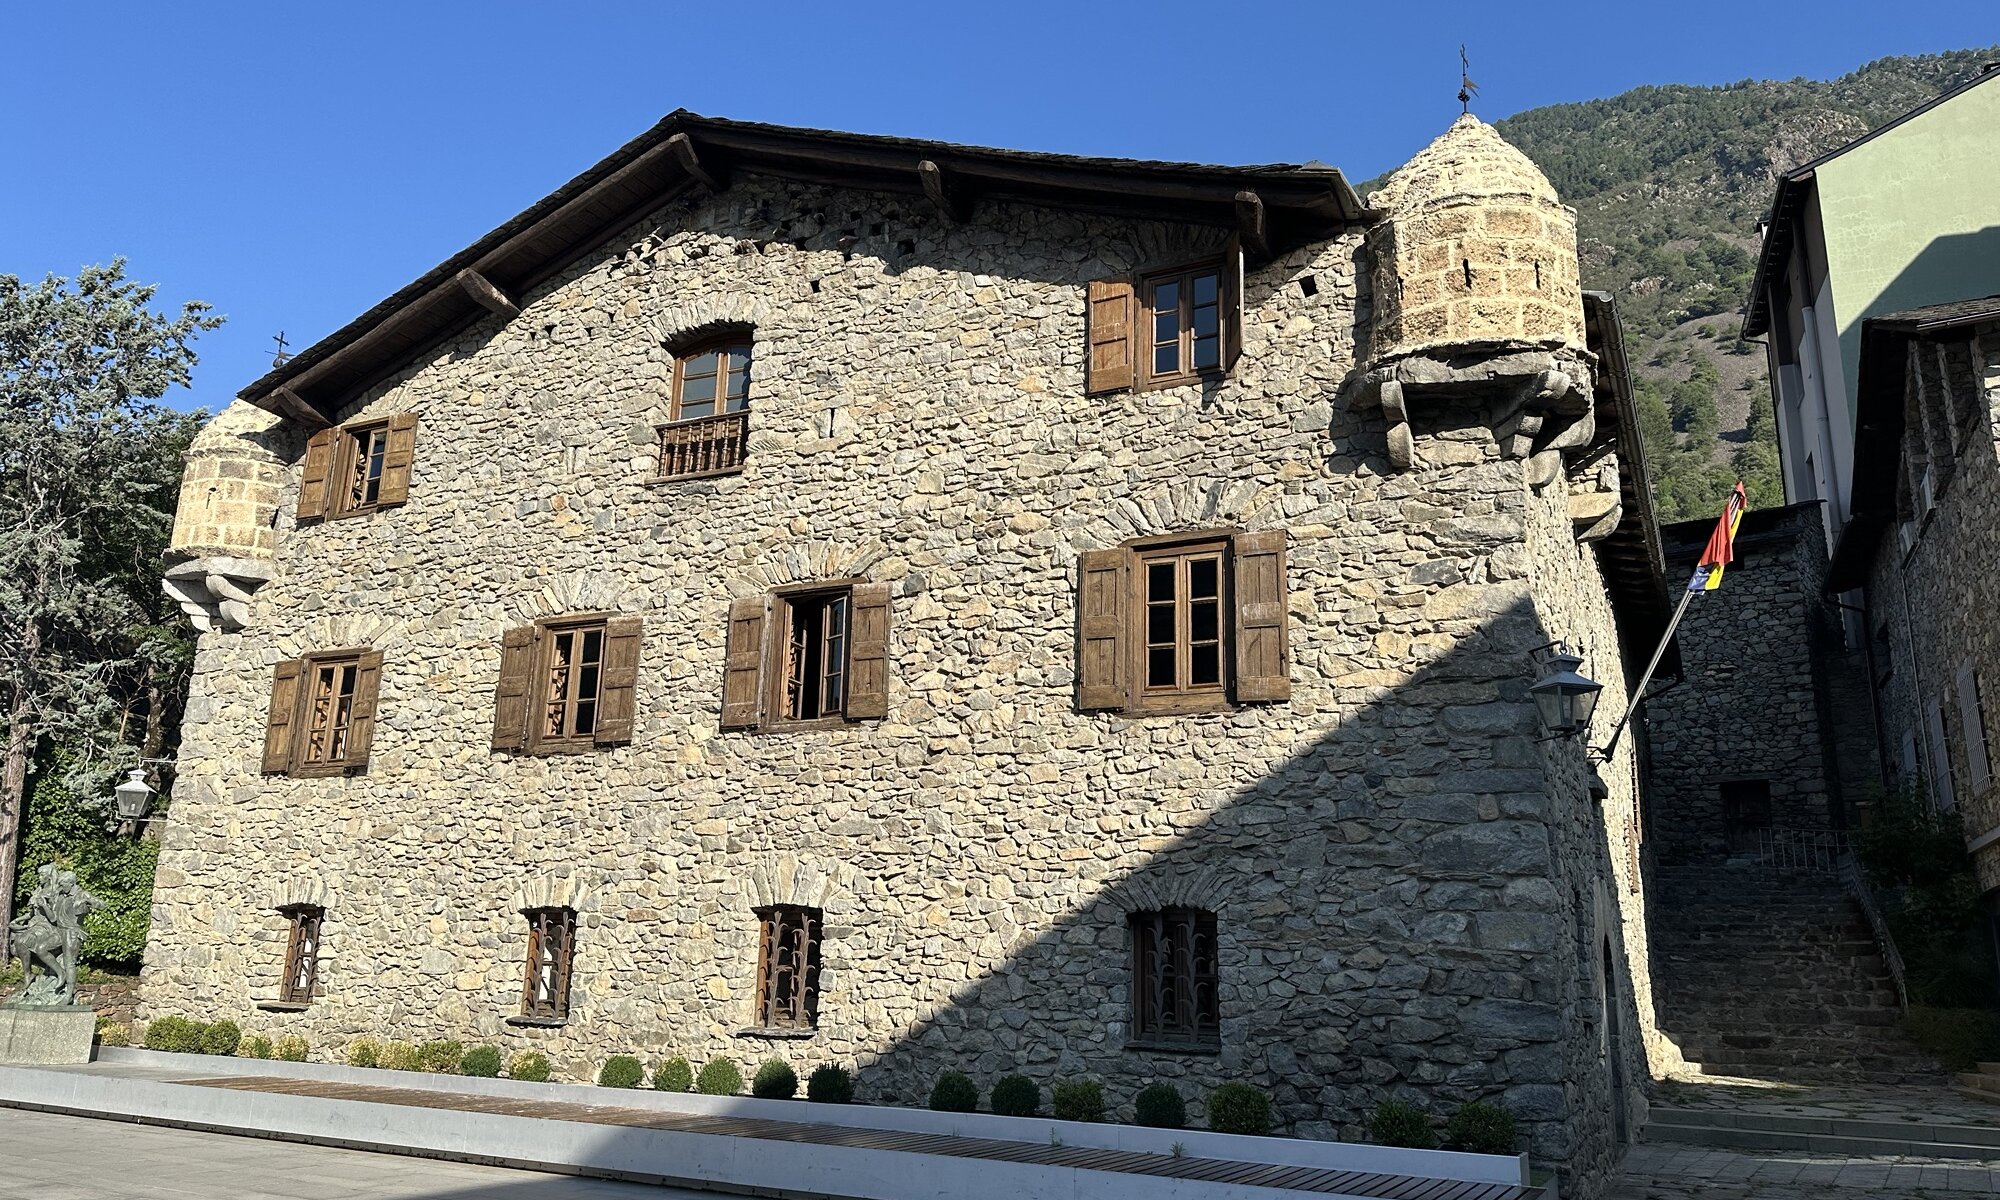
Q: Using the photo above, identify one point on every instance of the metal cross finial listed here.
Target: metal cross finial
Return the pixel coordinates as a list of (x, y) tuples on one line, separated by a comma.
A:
[(1466, 88), (281, 357)]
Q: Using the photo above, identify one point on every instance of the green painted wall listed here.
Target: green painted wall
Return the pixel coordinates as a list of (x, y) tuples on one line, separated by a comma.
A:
[(1913, 217)]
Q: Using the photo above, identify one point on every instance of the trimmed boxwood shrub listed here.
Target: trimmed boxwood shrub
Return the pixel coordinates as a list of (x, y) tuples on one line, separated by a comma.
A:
[(440, 1058), (719, 1078), (1481, 1128), (674, 1075), (1239, 1108), (775, 1080), (364, 1052), (176, 1035), (397, 1056), (481, 1062), (954, 1091), (111, 1033), (531, 1066), (1400, 1123), (1080, 1101), (621, 1071), (1016, 1096), (1159, 1106), (221, 1038), (291, 1048), (830, 1084), (255, 1046)]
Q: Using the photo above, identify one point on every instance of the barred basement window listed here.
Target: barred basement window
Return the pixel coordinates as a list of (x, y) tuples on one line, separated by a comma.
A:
[(1174, 977), (301, 954), (788, 967), (551, 944)]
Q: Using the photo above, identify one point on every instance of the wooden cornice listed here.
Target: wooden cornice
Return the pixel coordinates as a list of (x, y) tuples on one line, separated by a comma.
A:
[(942, 195), (491, 298)]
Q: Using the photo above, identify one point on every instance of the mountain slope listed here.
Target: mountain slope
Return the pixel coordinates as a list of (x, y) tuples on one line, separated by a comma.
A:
[(1669, 184)]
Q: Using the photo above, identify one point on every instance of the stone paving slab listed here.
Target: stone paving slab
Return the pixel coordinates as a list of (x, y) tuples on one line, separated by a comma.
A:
[(1674, 1172), (1913, 1104)]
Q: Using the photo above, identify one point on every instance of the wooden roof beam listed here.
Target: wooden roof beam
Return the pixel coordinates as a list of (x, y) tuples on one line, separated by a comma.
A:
[(291, 406), (944, 197), (489, 297), (681, 146), (1250, 224)]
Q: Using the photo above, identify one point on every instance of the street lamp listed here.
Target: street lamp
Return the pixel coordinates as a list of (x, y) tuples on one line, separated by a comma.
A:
[(131, 798), (1564, 698)]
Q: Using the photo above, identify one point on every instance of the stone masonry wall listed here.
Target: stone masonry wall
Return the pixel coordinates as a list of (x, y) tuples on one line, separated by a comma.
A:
[(1750, 704), (1935, 602), (1394, 916)]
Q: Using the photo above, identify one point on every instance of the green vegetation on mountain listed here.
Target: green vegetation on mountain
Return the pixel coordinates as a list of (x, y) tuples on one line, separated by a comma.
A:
[(1669, 184)]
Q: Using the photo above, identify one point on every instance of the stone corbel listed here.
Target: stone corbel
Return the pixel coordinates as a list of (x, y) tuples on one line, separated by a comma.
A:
[(215, 592)]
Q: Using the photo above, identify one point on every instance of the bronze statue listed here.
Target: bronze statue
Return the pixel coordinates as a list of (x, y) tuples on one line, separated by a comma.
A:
[(50, 934)]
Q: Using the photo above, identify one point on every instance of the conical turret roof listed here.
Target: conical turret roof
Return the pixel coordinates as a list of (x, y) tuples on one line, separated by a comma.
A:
[(1469, 160)]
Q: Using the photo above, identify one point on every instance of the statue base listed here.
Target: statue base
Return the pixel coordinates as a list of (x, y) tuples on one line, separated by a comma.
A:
[(31, 1034)]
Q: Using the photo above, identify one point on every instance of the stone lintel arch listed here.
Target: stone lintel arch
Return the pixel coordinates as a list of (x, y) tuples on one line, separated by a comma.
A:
[(804, 881), (344, 631), (807, 562), (1182, 506), (688, 323), (573, 591), (1198, 887), (298, 889), (560, 888)]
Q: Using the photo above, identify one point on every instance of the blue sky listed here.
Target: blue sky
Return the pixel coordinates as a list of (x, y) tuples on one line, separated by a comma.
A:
[(293, 164)]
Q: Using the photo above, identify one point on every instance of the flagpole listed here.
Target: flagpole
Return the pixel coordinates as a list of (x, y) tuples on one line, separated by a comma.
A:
[(1639, 693)]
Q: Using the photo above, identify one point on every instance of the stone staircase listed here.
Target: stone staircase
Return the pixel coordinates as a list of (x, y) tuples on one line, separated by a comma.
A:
[(1983, 1084), (1771, 976)]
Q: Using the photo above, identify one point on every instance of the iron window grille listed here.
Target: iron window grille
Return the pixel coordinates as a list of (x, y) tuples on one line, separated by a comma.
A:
[(551, 946), (788, 967), (302, 955), (1175, 977)]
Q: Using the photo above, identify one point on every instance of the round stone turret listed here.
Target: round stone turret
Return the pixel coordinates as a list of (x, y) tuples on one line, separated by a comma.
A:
[(1475, 250), (230, 488)]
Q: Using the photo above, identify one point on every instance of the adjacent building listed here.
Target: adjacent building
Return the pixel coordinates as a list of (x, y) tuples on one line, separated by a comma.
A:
[(923, 607), (1907, 216)]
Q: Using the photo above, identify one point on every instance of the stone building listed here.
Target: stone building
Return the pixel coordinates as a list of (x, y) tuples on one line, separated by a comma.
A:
[(1921, 547), (924, 607), (1766, 731)]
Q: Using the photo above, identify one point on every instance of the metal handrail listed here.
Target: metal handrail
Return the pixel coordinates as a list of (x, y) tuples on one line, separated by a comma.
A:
[(1857, 886)]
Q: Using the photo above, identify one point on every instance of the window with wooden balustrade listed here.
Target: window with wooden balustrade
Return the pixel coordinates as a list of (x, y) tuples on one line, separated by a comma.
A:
[(710, 429)]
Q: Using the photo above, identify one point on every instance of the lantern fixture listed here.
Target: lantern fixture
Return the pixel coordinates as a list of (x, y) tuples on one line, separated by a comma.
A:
[(132, 797), (1564, 698)]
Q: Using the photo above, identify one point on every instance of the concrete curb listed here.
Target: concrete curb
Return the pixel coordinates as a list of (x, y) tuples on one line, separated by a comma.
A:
[(1332, 1156), (657, 1156)]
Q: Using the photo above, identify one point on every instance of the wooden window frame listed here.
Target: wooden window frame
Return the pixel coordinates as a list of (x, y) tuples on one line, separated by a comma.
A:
[(547, 632), (303, 764), (1192, 983), (348, 460), (777, 660), (300, 981), (1145, 379), (547, 924), (1182, 698), (800, 1010), (716, 443)]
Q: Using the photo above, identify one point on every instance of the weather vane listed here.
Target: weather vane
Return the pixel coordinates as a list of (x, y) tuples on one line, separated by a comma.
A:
[(1466, 88), (281, 357)]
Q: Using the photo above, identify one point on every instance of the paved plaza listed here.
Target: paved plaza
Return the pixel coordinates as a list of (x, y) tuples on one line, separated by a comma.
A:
[(50, 1157), (1663, 1171)]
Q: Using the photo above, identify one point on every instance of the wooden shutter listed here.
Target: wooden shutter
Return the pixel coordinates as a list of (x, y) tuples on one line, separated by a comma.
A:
[(278, 722), (1941, 789), (396, 457), (1973, 725), (1109, 319), (316, 475), (620, 681), (743, 663), (1100, 609), (361, 721), (1259, 582), (510, 696), (868, 656), (1232, 304)]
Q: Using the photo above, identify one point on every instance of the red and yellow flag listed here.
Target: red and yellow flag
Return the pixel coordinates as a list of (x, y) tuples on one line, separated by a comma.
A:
[(1721, 548)]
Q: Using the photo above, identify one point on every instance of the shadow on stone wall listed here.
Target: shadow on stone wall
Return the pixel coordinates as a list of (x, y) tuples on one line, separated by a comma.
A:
[(1391, 921)]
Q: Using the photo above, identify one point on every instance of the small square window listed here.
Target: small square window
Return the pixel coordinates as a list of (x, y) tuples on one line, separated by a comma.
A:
[(788, 967)]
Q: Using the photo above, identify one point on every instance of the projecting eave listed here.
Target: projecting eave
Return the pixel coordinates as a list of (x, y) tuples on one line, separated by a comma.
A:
[(1273, 208)]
